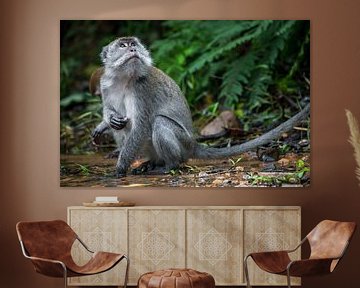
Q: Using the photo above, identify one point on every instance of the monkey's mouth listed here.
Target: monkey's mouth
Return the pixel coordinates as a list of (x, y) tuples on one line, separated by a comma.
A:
[(133, 57)]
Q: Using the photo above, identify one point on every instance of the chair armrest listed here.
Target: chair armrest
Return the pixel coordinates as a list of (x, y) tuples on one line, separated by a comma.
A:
[(298, 246), (49, 267), (279, 251), (46, 260), (309, 267), (84, 245), (269, 253), (271, 261)]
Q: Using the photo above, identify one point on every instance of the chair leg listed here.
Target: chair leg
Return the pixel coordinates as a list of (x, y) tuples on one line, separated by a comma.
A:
[(246, 270), (127, 271), (288, 278), (65, 276)]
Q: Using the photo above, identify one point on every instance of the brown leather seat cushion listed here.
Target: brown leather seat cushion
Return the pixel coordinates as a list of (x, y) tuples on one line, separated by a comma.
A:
[(176, 278)]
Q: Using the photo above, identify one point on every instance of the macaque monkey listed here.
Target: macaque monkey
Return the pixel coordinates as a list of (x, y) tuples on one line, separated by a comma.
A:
[(146, 109)]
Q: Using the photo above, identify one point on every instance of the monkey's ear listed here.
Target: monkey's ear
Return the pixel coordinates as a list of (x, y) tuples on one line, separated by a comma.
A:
[(94, 83), (103, 53)]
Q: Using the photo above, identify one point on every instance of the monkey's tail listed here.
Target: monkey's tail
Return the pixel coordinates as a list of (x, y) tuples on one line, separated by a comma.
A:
[(203, 152)]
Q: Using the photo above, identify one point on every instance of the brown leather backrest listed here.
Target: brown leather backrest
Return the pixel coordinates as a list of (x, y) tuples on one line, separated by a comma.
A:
[(46, 239), (329, 238)]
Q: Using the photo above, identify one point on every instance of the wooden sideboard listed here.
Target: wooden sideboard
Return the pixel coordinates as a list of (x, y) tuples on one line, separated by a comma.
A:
[(211, 239)]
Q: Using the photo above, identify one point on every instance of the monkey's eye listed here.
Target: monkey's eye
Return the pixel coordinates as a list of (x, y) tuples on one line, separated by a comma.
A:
[(122, 45), (132, 44)]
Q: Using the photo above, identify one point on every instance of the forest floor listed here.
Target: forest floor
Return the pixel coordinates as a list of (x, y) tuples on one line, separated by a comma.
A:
[(95, 170)]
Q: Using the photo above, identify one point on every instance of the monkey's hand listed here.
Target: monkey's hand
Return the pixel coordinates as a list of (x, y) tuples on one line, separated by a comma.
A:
[(118, 123), (98, 131)]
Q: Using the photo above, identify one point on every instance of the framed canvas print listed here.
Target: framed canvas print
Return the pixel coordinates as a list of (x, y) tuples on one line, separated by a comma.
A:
[(185, 103)]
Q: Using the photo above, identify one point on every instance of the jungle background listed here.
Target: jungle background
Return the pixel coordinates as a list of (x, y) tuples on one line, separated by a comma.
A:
[(241, 78)]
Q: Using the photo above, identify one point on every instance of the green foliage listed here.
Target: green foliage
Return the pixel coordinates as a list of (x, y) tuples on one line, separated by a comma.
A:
[(235, 162), (239, 61), (301, 168), (257, 179), (84, 170), (278, 179), (212, 110), (275, 179), (284, 148)]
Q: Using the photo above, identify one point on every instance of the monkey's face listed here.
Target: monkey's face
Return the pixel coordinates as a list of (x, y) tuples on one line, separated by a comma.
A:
[(126, 54)]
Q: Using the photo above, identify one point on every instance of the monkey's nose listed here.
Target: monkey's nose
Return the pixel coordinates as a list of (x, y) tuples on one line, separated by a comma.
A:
[(132, 50)]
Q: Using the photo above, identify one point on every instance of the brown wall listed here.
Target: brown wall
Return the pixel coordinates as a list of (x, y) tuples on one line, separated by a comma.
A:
[(29, 126)]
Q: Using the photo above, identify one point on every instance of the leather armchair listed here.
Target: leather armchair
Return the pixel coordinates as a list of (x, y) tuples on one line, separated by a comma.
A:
[(48, 245), (328, 242)]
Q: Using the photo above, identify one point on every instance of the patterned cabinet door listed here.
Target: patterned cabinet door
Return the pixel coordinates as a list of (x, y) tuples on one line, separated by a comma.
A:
[(156, 240), (269, 230), (214, 244), (101, 230)]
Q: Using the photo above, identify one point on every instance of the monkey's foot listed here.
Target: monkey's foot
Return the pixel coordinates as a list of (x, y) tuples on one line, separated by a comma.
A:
[(161, 170), (150, 168), (143, 168)]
